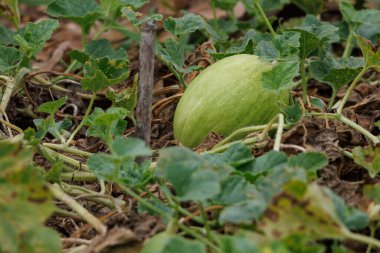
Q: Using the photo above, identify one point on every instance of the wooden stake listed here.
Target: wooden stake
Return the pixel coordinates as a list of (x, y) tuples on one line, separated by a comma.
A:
[(146, 78)]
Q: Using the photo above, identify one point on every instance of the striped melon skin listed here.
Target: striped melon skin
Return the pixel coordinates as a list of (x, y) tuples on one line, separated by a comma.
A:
[(224, 97)]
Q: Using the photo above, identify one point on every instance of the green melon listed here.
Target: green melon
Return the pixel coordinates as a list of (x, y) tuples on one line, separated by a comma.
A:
[(224, 97)]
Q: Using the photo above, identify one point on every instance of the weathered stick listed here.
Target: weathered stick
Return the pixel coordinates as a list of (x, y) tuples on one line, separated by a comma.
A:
[(145, 89)]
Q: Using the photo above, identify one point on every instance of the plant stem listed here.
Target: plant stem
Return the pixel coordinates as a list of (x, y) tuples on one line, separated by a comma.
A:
[(59, 88), (349, 45), (241, 131), (350, 123), (67, 149), (268, 127), (363, 238), (62, 212), (78, 208), (178, 75), (10, 125), (348, 92), (248, 142), (280, 129), (262, 14), (64, 158), (84, 42), (82, 122), (332, 98), (304, 82), (359, 128), (372, 235), (214, 16), (205, 220), (162, 213), (78, 176)]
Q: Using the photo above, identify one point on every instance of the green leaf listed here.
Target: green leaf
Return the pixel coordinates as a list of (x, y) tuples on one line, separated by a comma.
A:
[(129, 147), (83, 12), (282, 47), (250, 40), (135, 4), (304, 209), (100, 73), (312, 7), (292, 113), (377, 124), (111, 9), (310, 161), (6, 36), (269, 161), (136, 18), (281, 76), (142, 209), (355, 18), (352, 218), (234, 190), (267, 5), (107, 125), (334, 72), (54, 128), (224, 4), (52, 107), (25, 203), (244, 212), (189, 23), (313, 37), (98, 49), (372, 191), (236, 155), (191, 175), (237, 244), (43, 126), (368, 158), (170, 243), (126, 98), (35, 35), (10, 60), (36, 2), (172, 53), (371, 54), (10, 9), (41, 239)]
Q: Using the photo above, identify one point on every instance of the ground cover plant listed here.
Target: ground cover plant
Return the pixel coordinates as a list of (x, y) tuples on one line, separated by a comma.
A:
[(289, 163)]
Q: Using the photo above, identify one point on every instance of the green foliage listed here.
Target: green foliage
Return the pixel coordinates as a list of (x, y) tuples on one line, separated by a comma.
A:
[(25, 204), (11, 11), (281, 76), (363, 21), (300, 209), (52, 107), (368, 158), (10, 60), (35, 35), (107, 124), (371, 55), (84, 13), (120, 166), (191, 175), (271, 202), (189, 23), (172, 53), (103, 66), (168, 243), (135, 17), (310, 7), (336, 72)]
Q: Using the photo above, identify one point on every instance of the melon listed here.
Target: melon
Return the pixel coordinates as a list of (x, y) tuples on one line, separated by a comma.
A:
[(224, 97)]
